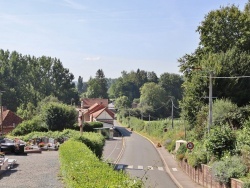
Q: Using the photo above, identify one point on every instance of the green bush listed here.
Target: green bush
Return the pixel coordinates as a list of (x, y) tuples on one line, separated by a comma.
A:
[(196, 158), (180, 154), (94, 141), (229, 167), (58, 116), (220, 140), (80, 168), (90, 126), (28, 126)]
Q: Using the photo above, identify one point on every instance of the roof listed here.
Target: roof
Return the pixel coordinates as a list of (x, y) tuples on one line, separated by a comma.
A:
[(94, 108), (97, 113), (89, 102), (10, 117)]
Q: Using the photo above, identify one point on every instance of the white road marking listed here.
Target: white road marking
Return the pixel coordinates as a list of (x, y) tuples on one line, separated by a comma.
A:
[(160, 168), (130, 167), (174, 169), (150, 168), (140, 167)]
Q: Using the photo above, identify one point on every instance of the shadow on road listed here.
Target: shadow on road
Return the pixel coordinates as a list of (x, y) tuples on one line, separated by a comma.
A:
[(123, 131)]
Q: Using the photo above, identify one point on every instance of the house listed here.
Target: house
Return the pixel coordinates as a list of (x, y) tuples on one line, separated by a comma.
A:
[(88, 102), (10, 121), (99, 112)]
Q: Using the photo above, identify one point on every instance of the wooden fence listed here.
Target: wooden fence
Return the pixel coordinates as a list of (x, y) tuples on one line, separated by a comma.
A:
[(203, 176)]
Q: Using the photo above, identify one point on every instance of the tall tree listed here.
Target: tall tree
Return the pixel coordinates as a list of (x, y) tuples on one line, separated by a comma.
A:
[(153, 99), (80, 85), (223, 52), (97, 87)]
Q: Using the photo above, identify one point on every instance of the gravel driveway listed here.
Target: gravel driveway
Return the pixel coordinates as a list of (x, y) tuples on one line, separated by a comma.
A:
[(36, 170)]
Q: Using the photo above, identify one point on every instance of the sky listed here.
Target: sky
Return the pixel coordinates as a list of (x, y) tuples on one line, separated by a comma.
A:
[(112, 35)]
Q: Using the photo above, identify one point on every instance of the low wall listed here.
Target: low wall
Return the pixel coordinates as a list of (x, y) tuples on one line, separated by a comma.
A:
[(203, 176)]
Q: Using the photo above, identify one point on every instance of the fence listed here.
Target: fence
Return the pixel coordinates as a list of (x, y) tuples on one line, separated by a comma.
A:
[(203, 176)]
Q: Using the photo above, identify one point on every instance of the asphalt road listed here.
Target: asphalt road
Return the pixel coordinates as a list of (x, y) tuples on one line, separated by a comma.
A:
[(141, 160)]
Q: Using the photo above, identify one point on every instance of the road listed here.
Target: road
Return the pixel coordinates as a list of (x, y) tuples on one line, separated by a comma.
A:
[(141, 160)]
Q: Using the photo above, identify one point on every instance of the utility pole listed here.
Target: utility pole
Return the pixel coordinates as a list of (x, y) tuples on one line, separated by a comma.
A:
[(210, 117), (172, 113), (1, 105)]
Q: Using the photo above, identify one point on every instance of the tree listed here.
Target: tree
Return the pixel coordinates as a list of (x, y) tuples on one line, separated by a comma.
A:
[(153, 98), (80, 85), (59, 116), (221, 55), (152, 77), (97, 87), (225, 28), (122, 103)]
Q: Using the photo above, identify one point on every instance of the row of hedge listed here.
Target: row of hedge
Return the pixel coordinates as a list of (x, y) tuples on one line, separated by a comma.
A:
[(81, 168)]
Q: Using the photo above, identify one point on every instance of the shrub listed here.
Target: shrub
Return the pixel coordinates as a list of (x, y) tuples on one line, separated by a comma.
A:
[(89, 127), (79, 167), (59, 116), (220, 140), (196, 158), (29, 126), (180, 154), (229, 167)]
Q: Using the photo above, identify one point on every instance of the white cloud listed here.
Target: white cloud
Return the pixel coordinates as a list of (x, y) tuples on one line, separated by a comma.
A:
[(92, 58)]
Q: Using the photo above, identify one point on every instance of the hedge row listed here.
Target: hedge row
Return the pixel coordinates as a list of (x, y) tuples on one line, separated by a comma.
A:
[(81, 168)]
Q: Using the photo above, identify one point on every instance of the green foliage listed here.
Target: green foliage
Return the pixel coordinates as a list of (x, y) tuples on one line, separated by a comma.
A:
[(243, 135), (29, 79), (98, 86), (224, 28), (246, 181), (94, 141), (90, 126), (26, 112), (59, 116), (28, 126), (219, 141), (224, 112), (230, 167), (197, 156), (180, 154), (79, 167), (122, 103)]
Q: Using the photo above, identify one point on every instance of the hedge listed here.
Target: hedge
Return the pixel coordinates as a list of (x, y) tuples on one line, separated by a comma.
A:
[(81, 168)]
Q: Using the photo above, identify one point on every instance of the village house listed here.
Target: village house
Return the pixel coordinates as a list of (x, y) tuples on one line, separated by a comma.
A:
[(97, 110), (10, 121)]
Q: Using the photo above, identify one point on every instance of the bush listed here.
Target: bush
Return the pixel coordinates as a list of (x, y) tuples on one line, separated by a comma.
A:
[(59, 116), (89, 127), (196, 158), (180, 154), (220, 140), (28, 126), (229, 167), (80, 168)]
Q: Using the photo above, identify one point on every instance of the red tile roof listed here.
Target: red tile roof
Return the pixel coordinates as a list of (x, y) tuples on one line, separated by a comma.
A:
[(10, 120), (89, 102)]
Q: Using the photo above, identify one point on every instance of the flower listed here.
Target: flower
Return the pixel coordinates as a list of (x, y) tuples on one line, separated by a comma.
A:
[(41, 144)]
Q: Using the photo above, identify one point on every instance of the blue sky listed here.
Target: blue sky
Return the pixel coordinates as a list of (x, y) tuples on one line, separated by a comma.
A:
[(112, 35)]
